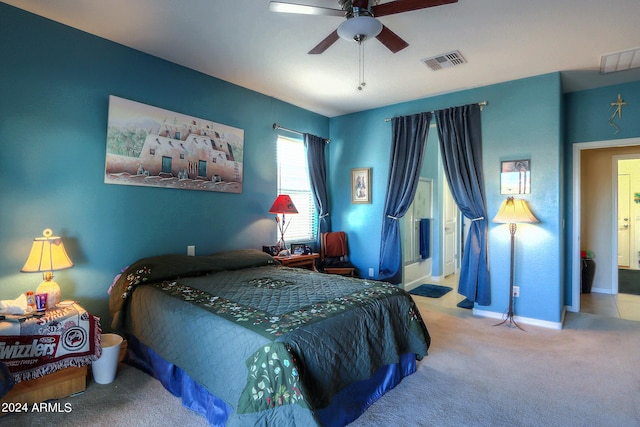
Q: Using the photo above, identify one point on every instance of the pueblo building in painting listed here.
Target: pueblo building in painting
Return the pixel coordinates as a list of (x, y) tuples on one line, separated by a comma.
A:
[(182, 152)]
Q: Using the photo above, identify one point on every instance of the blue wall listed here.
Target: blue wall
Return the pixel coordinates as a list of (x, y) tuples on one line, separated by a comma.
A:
[(587, 116), (522, 121), (55, 87), (588, 112)]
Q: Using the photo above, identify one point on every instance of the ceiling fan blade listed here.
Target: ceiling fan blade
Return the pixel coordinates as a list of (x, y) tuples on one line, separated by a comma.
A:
[(400, 6), (325, 44), (277, 6), (391, 40)]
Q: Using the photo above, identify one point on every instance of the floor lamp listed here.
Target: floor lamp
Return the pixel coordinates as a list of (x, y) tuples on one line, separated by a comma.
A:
[(511, 212)]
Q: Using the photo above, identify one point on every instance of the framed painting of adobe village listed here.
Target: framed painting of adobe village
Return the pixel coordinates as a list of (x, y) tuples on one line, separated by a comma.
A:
[(149, 146)]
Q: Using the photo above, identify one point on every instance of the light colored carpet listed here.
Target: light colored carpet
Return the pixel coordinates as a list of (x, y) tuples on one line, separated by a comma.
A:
[(587, 374)]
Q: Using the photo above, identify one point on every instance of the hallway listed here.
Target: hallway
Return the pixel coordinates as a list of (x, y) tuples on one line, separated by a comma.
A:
[(622, 306)]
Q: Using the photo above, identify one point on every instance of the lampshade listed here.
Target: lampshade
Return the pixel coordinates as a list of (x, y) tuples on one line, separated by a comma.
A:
[(514, 211), (47, 255), (359, 28), (283, 205)]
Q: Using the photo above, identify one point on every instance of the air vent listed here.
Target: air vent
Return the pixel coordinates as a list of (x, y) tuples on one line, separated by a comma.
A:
[(445, 60), (620, 61)]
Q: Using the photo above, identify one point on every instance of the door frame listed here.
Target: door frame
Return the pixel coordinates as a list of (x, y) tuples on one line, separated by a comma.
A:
[(632, 246), (446, 193), (576, 217)]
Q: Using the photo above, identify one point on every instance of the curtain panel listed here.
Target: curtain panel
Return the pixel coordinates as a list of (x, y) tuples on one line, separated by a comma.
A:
[(460, 137), (315, 147), (409, 141)]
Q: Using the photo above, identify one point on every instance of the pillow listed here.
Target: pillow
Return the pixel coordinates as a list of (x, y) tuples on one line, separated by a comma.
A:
[(241, 258)]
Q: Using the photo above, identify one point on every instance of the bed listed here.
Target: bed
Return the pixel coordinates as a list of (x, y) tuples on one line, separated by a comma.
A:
[(245, 341)]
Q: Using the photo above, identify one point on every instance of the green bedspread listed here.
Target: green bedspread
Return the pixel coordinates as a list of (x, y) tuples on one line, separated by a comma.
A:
[(275, 343)]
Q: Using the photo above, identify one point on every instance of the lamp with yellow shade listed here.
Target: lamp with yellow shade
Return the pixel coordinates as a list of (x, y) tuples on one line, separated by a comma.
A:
[(47, 255), (513, 211)]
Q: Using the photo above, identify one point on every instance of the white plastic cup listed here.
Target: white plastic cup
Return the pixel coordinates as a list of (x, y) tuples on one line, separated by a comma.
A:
[(104, 369)]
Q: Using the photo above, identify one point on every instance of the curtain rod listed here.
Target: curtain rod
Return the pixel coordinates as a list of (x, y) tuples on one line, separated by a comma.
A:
[(481, 104), (277, 126)]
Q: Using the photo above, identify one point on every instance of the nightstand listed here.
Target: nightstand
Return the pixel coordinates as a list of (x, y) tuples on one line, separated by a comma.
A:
[(61, 343), (299, 261)]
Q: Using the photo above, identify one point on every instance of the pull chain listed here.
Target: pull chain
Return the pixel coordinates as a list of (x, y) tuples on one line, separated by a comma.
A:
[(361, 82)]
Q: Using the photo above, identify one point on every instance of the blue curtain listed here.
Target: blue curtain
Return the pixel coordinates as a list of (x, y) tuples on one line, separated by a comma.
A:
[(315, 147), (461, 146), (409, 135)]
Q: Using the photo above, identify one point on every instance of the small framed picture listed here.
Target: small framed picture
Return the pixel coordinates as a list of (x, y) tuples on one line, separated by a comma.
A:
[(515, 177), (361, 185), (300, 249)]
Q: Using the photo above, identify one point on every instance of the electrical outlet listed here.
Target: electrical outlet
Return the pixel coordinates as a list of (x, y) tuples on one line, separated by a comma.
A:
[(191, 250), (370, 272), (516, 291)]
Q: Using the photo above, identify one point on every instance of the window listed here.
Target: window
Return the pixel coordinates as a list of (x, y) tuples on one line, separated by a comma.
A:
[(293, 179)]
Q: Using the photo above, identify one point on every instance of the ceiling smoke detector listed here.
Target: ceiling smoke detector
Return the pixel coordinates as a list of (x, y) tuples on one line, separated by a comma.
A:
[(620, 61), (445, 60)]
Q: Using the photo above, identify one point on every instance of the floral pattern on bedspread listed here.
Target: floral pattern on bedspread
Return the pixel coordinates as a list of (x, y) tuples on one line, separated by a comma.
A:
[(135, 278), (270, 283), (269, 325), (273, 380)]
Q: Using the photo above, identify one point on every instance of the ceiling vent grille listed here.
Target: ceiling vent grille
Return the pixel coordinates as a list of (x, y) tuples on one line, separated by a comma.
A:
[(445, 60), (620, 61)]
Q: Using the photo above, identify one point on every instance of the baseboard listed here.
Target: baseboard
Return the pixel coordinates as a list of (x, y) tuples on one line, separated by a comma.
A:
[(570, 308), (520, 320), (415, 283), (601, 291), (441, 278)]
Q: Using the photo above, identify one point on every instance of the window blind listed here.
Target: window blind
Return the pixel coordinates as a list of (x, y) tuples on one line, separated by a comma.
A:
[(293, 179)]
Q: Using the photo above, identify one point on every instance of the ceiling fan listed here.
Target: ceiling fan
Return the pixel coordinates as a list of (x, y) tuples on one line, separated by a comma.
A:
[(361, 23)]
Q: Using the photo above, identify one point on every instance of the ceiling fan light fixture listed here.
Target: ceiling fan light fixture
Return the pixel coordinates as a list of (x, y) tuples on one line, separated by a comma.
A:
[(359, 28)]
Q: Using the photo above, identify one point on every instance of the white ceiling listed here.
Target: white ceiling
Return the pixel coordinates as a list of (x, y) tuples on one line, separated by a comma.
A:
[(242, 42)]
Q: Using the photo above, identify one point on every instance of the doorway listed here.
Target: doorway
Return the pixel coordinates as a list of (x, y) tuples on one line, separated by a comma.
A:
[(595, 223), (417, 263), (627, 222), (628, 213)]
